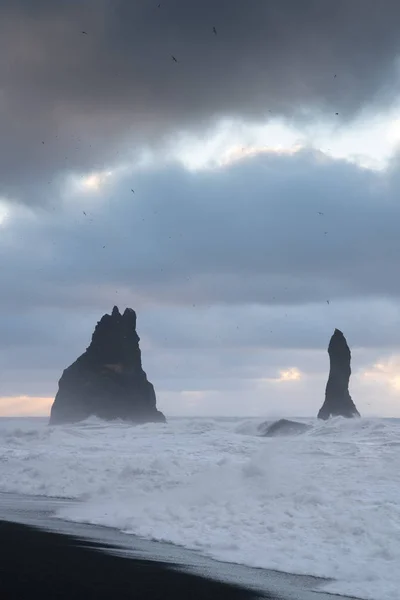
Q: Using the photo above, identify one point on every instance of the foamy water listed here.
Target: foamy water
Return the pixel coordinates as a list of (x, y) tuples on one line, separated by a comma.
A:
[(324, 503)]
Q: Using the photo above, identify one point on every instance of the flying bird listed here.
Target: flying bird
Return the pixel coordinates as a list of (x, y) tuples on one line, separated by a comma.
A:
[(214, 31), (320, 213), (173, 58), (84, 213), (327, 301), (133, 191), (336, 113), (84, 32)]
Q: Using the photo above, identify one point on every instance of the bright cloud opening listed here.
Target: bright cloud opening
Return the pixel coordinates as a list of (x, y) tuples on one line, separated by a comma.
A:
[(369, 141), (23, 406), (95, 181), (387, 372), (3, 214), (237, 153), (285, 375), (91, 183), (292, 374), (393, 133)]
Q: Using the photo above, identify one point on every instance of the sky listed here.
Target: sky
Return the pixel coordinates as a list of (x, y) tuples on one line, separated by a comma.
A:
[(229, 170)]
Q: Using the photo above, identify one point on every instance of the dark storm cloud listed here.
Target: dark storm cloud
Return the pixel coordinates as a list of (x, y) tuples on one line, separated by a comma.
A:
[(73, 100), (250, 233)]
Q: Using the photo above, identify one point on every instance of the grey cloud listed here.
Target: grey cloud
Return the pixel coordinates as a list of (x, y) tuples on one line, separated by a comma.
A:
[(213, 240), (250, 233), (91, 98), (253, 328), (198, 350), (222, 378)]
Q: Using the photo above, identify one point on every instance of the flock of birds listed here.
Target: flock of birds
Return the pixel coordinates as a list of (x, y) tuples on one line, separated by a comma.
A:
[(214, 29)]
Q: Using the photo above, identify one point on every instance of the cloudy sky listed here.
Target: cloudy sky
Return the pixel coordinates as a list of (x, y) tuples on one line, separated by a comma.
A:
[(243, 198)]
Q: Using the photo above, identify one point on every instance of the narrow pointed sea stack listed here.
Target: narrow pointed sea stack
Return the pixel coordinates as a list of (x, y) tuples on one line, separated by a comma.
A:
[(338, 402), (108, 381)]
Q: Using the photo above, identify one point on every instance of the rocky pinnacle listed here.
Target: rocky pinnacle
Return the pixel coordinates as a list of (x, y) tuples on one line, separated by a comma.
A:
[(338, 401)]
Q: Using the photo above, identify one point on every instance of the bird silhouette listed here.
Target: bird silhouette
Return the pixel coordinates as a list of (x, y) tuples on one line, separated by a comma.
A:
[(133, 191), (173, 58), (320, 213), (214, 31), (84, 32)]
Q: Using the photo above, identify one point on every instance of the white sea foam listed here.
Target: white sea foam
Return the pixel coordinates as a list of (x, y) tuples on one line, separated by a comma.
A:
[(325, 503)]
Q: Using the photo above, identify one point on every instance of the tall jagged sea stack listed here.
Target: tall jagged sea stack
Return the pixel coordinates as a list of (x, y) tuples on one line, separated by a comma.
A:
[(107, 380), (338, 402)]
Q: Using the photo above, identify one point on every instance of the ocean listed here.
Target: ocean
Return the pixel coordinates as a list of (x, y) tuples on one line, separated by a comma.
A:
[(324, 503)]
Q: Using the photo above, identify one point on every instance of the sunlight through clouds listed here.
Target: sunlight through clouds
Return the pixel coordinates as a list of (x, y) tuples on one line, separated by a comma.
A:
[(393, 132), (95, 181), (3, 213), (292, 374), (21, 406), (369, 141), (238, 153), (231, 140), (90, 184), (285, 375), (386, 371)]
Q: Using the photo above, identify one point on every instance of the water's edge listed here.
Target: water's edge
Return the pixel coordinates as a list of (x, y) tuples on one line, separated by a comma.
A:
[(39, 511)]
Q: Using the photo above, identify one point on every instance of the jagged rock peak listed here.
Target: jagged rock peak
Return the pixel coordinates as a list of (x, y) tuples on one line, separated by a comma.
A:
[(108, 380)]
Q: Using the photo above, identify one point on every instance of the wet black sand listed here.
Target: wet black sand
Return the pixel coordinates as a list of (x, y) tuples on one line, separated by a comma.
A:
[(35, 563), (45, 557)]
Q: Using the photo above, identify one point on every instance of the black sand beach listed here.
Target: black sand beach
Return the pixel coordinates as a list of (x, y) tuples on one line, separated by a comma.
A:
[(46, 565), (49, 558)]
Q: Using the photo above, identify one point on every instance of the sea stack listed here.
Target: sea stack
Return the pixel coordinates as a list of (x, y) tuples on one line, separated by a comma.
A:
[(107, 380), (338, 402)]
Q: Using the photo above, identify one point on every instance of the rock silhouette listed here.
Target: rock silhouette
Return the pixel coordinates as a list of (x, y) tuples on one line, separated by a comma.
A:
[(282, 427), (107, 380), (338, 402)]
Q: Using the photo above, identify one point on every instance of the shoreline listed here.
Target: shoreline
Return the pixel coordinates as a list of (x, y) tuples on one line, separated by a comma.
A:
[(48, 565), (32, 521)]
